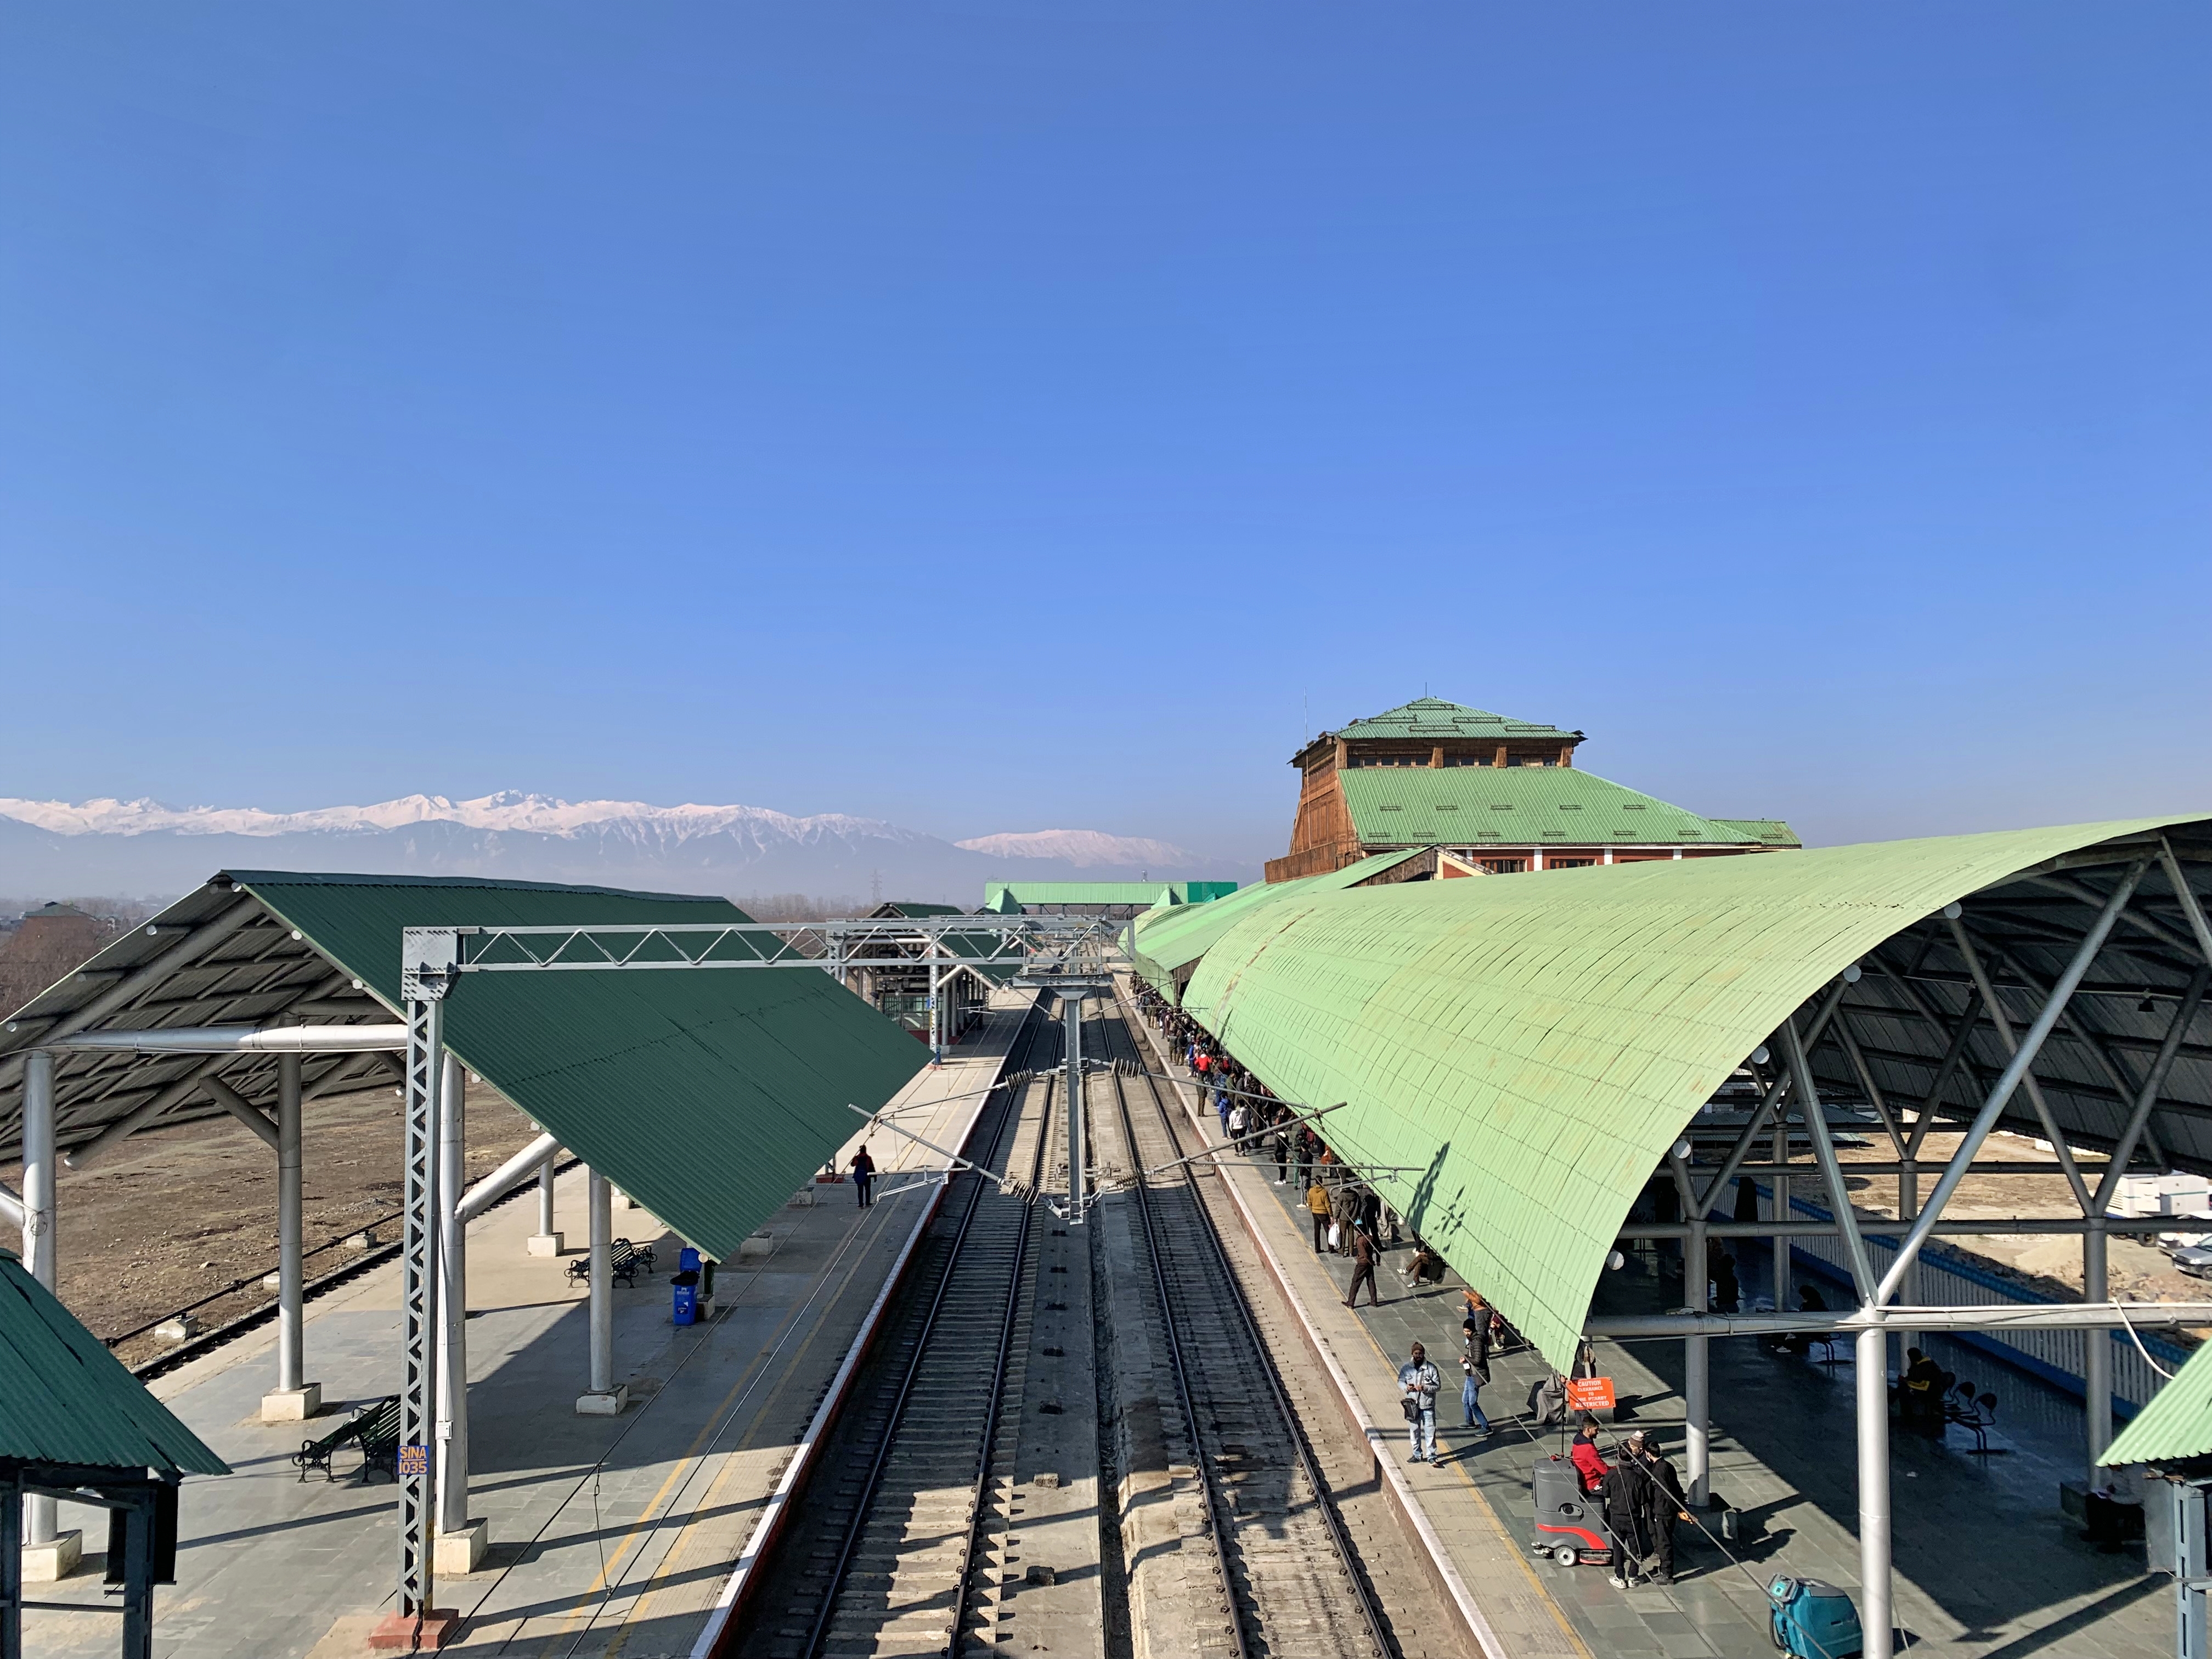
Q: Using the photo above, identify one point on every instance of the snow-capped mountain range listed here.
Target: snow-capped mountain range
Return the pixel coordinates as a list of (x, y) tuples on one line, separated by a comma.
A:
[(142, 847)]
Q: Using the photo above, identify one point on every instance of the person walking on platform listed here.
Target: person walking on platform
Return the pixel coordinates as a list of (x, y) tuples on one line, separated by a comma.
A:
[(864, 1176), (1362, 1270), (1475, 1362), (1417, 1383), (1317, 1205)]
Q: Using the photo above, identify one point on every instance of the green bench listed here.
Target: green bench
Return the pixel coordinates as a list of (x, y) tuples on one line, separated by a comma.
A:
[(374, 1430)]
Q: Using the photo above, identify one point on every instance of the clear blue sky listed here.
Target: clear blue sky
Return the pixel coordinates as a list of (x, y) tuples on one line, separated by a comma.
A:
[(999, 416)]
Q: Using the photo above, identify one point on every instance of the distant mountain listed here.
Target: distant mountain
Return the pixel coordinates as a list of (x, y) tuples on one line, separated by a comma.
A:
[(143, 847), (1087, 849)]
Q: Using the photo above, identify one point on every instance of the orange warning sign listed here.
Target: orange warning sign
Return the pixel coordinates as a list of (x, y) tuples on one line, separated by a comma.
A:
[(1590, 1394)]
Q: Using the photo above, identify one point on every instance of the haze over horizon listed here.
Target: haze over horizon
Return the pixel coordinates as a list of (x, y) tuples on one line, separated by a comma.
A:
[(985, 421)]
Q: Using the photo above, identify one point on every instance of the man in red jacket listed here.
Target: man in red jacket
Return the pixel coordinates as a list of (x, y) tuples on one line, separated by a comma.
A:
[(1589, 1461)]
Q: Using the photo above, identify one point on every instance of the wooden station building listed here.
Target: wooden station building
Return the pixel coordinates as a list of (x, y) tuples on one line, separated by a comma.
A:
[(1484, 794)]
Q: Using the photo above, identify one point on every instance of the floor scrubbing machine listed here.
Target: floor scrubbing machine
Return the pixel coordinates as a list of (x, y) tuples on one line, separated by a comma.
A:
[(1568, 1527)]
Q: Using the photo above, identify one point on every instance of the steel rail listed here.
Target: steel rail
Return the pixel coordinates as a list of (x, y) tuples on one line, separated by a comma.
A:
[(1308, 1464), (864, 1503)]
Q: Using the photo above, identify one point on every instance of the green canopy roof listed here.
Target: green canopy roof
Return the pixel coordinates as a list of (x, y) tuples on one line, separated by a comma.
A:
[(708, 1095), (1169, 941), (2176, 1424), (1526, 805), (1527, 1046), (1433, 717), (64, 1398)]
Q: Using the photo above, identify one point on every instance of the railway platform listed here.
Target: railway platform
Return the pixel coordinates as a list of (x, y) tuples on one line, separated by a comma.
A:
[(607, 1535), (1987, 1566)]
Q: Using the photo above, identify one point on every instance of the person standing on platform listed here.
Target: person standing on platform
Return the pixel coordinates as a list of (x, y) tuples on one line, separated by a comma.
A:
[(1663, 1504), (1346, 1211), (1475, 1362), (1317, 1206), (1282, 1150), (1363, 1270), (1301, 1143), (1417, 1383), (864, 1176), (1622, 1492)]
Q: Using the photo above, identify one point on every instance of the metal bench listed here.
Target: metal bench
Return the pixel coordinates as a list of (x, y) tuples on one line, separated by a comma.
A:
[(624, 1260), (369, 1429)]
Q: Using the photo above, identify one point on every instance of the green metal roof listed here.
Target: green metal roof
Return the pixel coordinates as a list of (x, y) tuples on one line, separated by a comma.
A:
[(1768, 832), (710, 1096), (1169, 941), (1533, 1046), (1467, 806), (64, 1398), (1432, 717), (912, 909), (2176, 1424)]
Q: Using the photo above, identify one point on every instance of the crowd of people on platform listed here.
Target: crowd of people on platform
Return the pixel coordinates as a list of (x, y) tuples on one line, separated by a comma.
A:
[(1638, 1490)]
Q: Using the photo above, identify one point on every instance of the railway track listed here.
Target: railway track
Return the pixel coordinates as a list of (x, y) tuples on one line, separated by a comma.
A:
[(892, 1550), (1291, 1571)]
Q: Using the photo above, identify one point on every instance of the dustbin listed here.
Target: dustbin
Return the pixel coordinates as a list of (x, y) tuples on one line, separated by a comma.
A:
[(684, 1287)]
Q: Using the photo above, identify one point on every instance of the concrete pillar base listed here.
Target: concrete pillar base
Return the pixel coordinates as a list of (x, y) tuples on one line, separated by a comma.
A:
[(47, 1564), (438, 1627), (608, 1404), (546, 1243), (455, 1554), (292, 1405)]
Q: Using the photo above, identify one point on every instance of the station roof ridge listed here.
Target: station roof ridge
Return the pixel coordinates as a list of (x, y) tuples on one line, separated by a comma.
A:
[(66, 1399), (1169, 941), (1466, 805), (355, 878), (1434, 717), (1532, 1045)]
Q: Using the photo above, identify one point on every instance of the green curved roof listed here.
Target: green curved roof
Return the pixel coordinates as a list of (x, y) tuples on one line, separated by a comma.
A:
[(1170, 939), (1532, 1045)]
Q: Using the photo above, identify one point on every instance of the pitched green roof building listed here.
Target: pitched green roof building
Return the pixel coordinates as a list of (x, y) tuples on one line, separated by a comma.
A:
[(1491, 795)]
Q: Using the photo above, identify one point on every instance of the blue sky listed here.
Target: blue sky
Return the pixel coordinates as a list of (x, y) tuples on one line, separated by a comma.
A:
[(996, 416)]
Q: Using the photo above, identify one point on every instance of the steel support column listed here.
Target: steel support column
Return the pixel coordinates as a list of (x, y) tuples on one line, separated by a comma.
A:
[(936, 1029), (425, 1054), (545, 1198), (1872, 1354), (291, 1275), (39, 1237), (452, 1508), (1697, 1373), (2096, 1351), (1777, 1209), (600, 1201)]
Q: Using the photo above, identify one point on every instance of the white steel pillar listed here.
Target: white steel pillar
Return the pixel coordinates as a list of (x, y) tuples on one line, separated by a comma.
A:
[(936, 1045), (457, 1546), (39, 1261), (294, 1399), (546, 1241), (603, 1398), (1697, 1373), (2096, 1349), (1873, 1368), (1778, 1210)]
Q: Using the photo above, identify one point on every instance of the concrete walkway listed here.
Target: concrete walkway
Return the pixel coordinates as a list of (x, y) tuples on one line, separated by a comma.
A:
[(1986, 1565), (608, 1534)]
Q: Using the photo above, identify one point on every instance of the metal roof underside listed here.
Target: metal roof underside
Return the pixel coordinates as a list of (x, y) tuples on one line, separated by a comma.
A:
[(1532, 1045), (708, 1095), (2176, 1425), (1520, 806), (64, 1398)]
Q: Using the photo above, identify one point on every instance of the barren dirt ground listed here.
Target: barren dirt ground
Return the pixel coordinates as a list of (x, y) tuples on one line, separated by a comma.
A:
[(173, 1215)]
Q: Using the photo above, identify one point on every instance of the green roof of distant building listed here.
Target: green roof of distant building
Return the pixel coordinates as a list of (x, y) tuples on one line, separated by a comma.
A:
[(1432, 717), (1469, 806)]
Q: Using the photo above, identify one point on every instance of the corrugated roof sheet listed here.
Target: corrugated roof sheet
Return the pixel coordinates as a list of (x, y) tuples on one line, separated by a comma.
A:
[(1104, 892), (1533, 1045), (709, 1095), (1467, 806), (2176, 1424), (1769, 832), (64, 1398), (1432, 717)]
